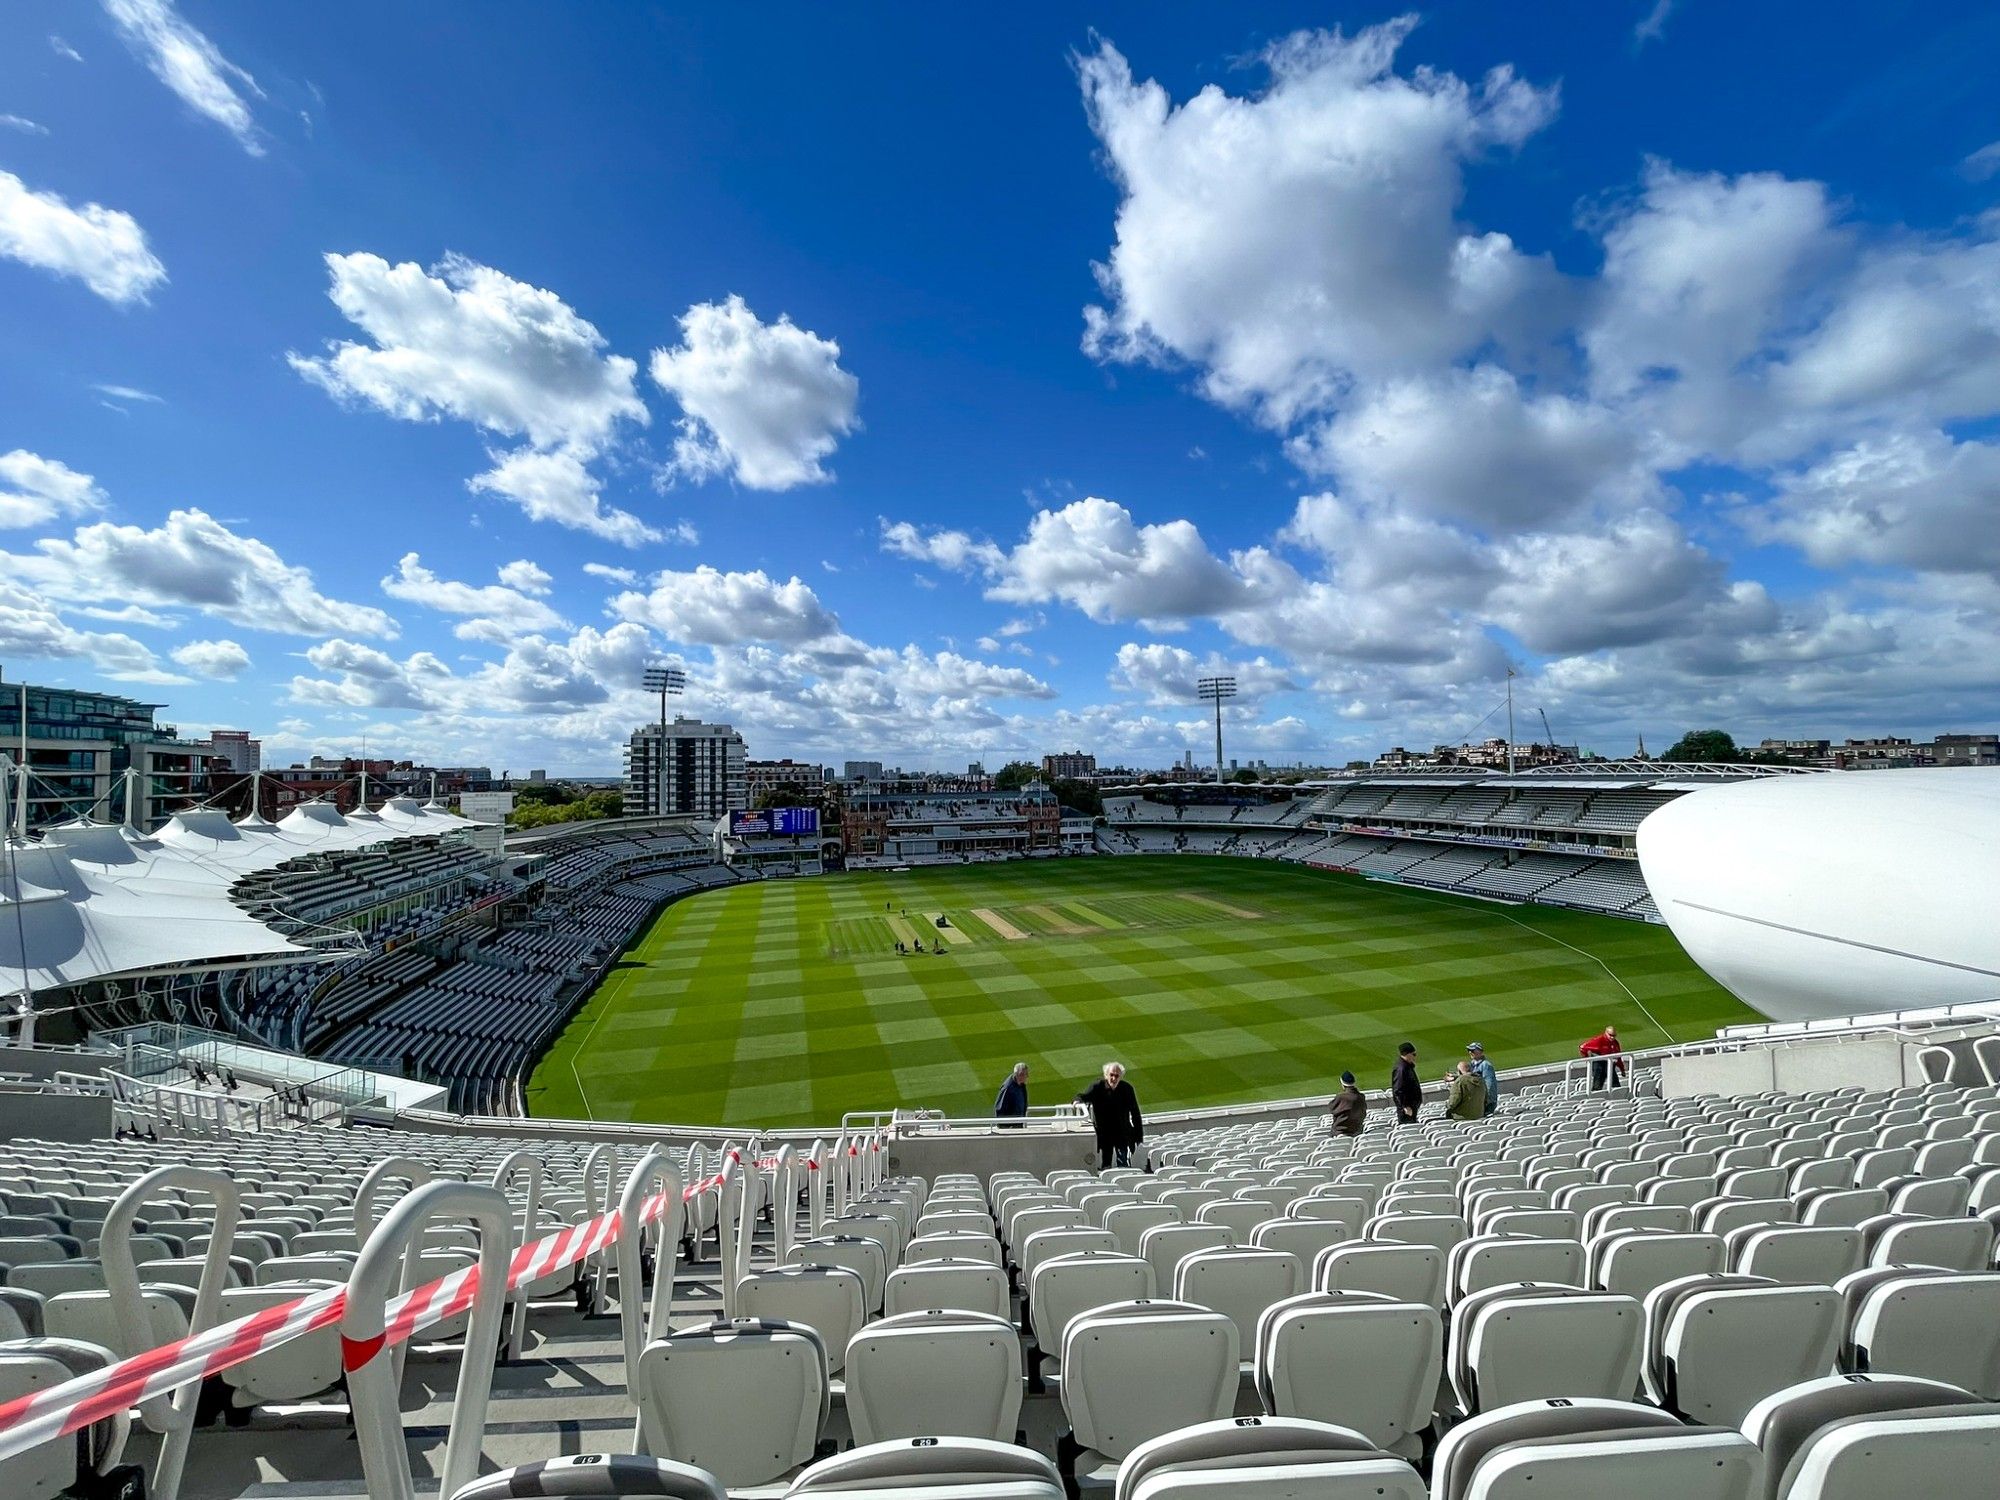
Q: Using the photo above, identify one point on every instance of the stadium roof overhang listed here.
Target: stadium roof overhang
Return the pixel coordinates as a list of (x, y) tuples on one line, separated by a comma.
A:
[(93, 901)]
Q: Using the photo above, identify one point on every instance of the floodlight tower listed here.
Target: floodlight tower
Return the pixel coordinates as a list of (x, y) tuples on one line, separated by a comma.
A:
[(666, 679), (1214, 690)]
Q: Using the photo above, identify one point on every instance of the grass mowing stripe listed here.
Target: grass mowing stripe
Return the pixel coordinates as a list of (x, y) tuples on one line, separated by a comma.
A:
[(784, 1002)]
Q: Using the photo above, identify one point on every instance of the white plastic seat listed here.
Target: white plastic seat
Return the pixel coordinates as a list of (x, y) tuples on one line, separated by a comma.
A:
[(929, 1247), (830, 1300), (947, 1285), (931, 1468), (857, 1253), (1241, 1282), (1796, 1254), (1943, 1451), (1165, 1245), (1440, 1231), (1265, 1458), (1786, 1421), (1239, 1215), (1493, 1260), (1071, 1284), (595, 1474), (49, 1469), (1582, 1449), (744, 1400), (1048, 1244), (295, 1370), (1128, 1222), (1721, 1344), (1526, 1342), (1367, 1359), (1634, 1262), (1949, 1244), (1938, 1325), (934, 1374), (1138, 1370), (1408, 1273)]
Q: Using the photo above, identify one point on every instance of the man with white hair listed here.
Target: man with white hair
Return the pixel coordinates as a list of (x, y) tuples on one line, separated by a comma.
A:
[(1114, 1112), (1012, 1103)]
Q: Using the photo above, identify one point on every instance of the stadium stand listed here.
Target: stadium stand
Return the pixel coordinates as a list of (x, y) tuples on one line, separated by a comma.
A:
[(1572, 1295), (1562, 836)]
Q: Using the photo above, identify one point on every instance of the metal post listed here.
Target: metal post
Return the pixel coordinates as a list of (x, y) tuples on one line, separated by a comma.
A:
[(1510, 721), (663, 679)]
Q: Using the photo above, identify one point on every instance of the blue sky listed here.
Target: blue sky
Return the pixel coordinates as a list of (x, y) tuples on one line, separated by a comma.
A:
[(941, 388)]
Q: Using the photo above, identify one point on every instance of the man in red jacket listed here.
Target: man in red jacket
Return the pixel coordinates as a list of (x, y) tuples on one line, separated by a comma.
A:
[(1603, 1051)]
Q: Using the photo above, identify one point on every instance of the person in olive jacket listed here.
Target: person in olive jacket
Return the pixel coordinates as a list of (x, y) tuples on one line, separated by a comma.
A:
[(1114, 1111), (1349, 1108)]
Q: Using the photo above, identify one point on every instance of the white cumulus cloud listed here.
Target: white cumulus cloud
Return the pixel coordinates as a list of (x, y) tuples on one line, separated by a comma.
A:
[(1286, 242), (466, 341), (766, 403), (215, 659), (103, 248), (35, 490), (192, 561), (710, 607)]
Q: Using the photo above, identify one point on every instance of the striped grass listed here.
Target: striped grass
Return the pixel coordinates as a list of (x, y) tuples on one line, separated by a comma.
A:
[(785, 1002)]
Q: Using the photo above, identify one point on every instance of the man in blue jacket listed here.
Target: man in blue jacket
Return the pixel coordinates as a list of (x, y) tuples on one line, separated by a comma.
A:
[(1012, 1102)]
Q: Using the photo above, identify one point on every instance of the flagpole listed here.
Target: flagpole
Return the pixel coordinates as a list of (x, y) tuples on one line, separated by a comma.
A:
[(1510, 721)]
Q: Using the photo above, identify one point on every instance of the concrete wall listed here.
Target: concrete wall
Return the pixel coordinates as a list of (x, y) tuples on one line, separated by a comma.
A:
[(988, 1151), (38, 1063), (1796, 1067), (54, 1117)]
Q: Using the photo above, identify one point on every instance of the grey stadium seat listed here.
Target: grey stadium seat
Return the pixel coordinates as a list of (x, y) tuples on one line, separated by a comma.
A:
[(931, 1468), (1526, 1342), (595, 1474), (1250, 1458), (953, 1285), (1570, 1449), (1138, 1370), (744, 1400), (934, 1374), (1783, 1422), (1369, 1360)]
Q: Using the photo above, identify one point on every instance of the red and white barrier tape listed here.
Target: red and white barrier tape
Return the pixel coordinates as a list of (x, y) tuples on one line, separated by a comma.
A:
[(42, 1416)]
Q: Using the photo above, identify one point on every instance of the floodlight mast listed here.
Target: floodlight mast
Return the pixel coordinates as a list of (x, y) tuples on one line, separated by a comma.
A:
[(663, 678), (1214, 690)]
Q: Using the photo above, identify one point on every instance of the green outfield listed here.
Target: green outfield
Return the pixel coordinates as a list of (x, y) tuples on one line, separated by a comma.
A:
[(1214, 979)]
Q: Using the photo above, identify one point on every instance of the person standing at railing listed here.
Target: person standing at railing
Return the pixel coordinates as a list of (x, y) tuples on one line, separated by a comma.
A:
[(1406, 1090), (1012, 1102), (1114, 1113), (1605, 1063)]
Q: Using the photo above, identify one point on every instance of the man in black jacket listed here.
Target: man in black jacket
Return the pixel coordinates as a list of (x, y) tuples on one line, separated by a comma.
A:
[(1114, 1111), (1406, 1090)]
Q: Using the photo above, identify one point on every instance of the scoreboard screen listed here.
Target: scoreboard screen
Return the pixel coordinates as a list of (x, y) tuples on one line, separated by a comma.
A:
[(782, 822)]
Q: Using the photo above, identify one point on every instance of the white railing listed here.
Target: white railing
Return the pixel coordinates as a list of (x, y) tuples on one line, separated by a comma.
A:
[(192, 1110)]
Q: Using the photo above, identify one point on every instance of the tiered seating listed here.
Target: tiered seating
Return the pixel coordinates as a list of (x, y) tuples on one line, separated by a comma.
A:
[(1787, 1296), (1608, 885), (1529, 876)]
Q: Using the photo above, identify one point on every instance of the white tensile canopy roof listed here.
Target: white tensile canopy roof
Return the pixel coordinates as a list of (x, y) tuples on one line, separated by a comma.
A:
[(95, 900)]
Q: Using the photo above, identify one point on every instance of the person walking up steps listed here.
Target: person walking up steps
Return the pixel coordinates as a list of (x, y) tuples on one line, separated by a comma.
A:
[(1114, 1112)]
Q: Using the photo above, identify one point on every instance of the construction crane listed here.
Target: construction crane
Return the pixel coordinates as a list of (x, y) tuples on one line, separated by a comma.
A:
[(1546, 730)]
